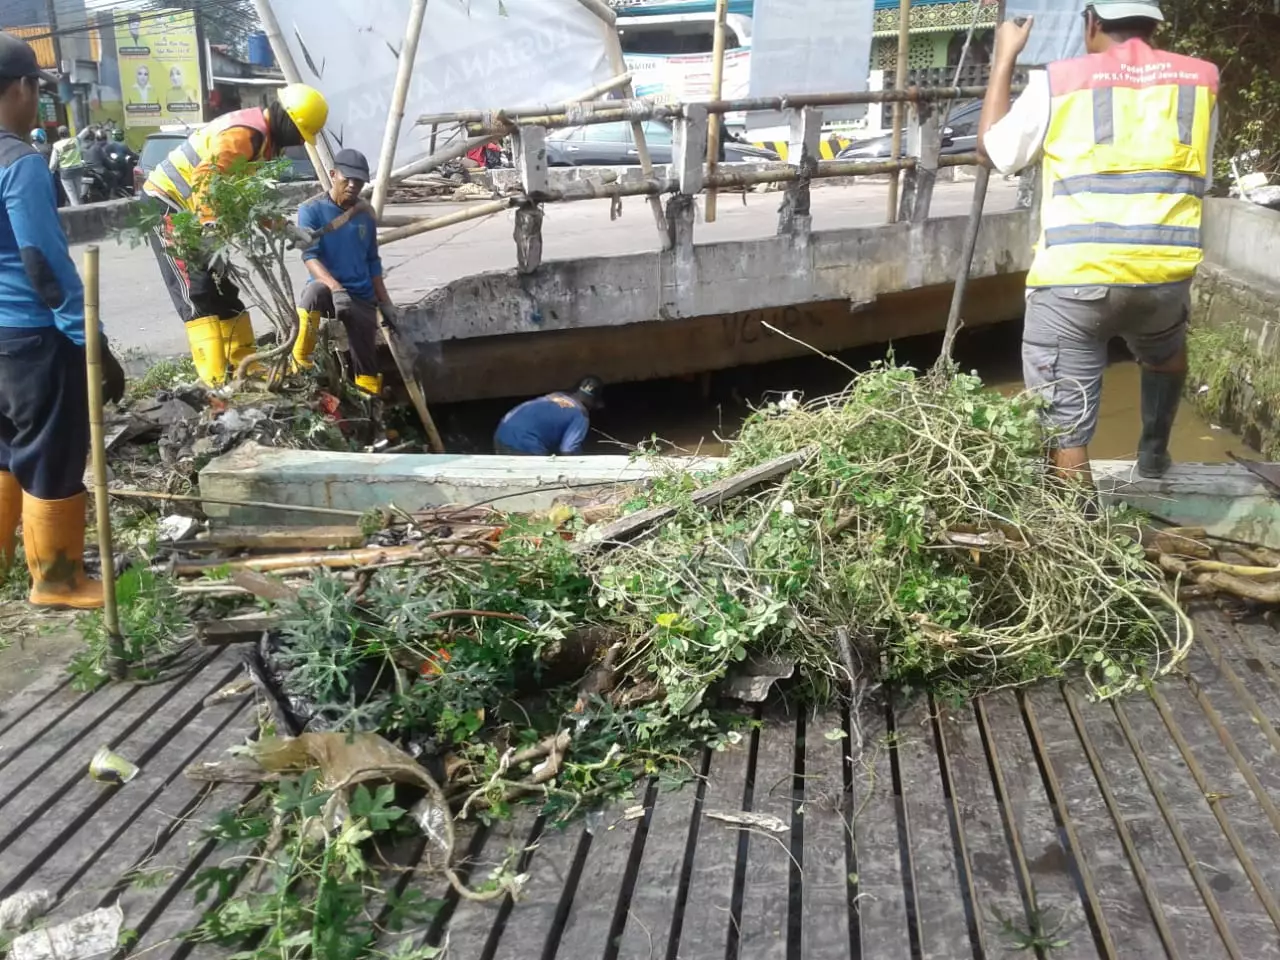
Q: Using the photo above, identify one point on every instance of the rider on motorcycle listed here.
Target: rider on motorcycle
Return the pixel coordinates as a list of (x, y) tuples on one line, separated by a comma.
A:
[(120, 161)]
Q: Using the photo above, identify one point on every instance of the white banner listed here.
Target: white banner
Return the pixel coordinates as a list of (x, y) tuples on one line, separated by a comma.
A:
[(474, 54), (1058, 34), (810, 46)]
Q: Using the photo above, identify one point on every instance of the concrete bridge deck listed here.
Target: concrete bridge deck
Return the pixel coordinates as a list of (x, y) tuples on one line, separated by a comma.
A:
[(139, 315)]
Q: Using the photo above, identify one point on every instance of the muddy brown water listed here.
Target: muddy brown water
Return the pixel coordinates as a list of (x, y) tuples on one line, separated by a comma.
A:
[(699, 414)]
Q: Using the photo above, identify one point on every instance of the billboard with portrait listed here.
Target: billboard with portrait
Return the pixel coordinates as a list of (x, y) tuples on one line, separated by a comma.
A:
[(160, 78)]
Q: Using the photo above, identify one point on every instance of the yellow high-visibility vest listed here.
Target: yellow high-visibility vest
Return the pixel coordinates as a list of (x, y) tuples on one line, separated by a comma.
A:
[(1126, 165), (173, 179)]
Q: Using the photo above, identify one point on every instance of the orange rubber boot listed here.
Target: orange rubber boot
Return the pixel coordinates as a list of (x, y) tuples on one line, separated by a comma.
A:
[(53, 533), (10, 514)]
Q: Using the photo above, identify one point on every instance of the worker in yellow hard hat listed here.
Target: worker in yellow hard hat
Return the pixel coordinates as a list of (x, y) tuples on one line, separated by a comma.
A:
[(218, 326)]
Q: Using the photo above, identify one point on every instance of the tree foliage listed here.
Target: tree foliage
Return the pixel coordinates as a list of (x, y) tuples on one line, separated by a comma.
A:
[(1241, 37)]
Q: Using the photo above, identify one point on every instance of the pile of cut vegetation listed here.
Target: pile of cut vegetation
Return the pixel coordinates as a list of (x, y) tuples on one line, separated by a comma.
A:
[(903, 530)]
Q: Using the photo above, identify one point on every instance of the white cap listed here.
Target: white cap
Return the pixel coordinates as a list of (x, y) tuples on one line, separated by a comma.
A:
[(1125, 10)]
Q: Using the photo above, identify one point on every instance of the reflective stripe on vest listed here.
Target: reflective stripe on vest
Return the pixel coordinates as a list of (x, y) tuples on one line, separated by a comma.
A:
[(172, 177), (1126, 166)]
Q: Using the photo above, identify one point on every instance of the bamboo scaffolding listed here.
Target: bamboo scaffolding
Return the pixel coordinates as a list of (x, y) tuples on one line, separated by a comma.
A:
[(714, 120), (404, 75), (900, 81)]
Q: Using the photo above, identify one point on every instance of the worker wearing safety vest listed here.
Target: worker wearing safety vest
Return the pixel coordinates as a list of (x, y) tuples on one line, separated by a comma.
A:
[(1126, 135), (218, 326)]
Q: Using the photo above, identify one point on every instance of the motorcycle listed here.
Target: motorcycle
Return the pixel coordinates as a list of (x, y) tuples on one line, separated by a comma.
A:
[(100, 185)]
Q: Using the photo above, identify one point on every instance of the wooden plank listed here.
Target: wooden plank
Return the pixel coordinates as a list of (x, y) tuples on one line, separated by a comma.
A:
[(612, 861), (57, 772), (248, 628), (880, 889), (828, 808), (1257, 643), (1244, 733), (1126, 892), (940, 908), (530, 928), (67, 840), (345, 537), (1031, 814), (1183, 890), (612, 534), (1228, 650), (766, 895), (1252, 838), (473, 923), (708, 910), (1181, 800), (161, 912), (49, 692), (656, 895), (41, 733), (263, 587), (998, 882)]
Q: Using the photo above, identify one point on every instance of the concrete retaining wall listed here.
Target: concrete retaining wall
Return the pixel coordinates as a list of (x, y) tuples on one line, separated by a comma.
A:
[(671, 308), (1235, 341)]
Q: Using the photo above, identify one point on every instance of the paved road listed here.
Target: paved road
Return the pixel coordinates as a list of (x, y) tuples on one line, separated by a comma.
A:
[(139, 315)]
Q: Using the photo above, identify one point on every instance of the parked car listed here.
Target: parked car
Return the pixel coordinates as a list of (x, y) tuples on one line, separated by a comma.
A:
[(613, 144), (159, 145), (959, 135)]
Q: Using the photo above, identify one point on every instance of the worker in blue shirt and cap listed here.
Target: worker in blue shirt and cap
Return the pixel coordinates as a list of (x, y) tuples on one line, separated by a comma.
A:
[(556, 423), (346, 271), (44, 404)]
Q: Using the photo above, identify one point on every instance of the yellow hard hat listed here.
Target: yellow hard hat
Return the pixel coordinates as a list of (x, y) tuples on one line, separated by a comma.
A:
[(306, 107)]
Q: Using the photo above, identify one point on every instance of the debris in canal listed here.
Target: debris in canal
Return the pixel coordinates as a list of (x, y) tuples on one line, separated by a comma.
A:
[(558, 658)]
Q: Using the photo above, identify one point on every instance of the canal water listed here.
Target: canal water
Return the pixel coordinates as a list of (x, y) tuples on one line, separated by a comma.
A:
[(699, 414)]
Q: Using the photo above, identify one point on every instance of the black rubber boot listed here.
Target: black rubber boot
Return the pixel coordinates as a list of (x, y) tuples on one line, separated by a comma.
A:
[(1161, 394)]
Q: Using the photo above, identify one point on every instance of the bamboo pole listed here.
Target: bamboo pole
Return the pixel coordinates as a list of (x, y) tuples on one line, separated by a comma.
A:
[(585, 100), (714, 120), (461, 216), (462, 147), (256, 504), (613, 45), (410, 378), (900, 81), (116, 665), (319, 153), (404, 75)]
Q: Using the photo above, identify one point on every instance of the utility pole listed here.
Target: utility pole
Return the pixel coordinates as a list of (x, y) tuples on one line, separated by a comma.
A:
[(51, 11)]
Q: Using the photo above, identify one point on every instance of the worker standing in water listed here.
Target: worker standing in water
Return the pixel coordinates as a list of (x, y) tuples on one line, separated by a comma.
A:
[(1126, 137), (556, 423), (44, 402), (346, 271), (218, 326)]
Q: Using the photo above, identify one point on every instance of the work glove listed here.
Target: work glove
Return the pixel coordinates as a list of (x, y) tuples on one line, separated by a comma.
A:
[(390, 315), (341, 302), (112, 376)]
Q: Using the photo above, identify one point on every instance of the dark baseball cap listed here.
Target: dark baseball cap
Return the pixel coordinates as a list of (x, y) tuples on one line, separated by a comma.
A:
[(352, 164), (592, 387), (18, 60)]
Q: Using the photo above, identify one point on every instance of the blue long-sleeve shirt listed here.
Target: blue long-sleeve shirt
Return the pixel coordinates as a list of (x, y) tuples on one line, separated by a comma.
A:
[(39, 286), (350, 253), (555, 423)]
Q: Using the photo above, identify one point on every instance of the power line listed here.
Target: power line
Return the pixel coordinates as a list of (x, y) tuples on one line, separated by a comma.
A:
[(92, 26)]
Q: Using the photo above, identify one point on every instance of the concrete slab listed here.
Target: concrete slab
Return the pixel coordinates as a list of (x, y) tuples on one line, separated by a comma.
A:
[(1224, 498), (356, 481)]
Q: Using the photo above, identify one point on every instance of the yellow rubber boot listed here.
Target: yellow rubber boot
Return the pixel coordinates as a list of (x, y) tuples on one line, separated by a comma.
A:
[(53, 533), (208, 350), (237, 336), (370, 384), (305, 345), (10, 514)]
